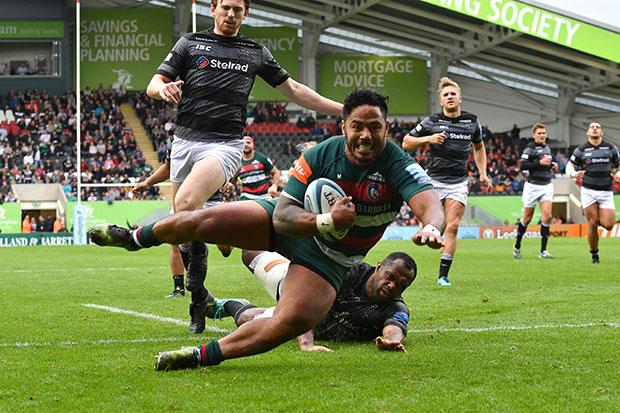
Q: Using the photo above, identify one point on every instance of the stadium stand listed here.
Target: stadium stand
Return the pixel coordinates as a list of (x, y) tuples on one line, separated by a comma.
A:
[(38, 138)]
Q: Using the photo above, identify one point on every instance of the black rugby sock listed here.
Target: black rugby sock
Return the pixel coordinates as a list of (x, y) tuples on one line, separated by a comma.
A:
[(544, 233), (444, 265), (520, 232), (178, 281)]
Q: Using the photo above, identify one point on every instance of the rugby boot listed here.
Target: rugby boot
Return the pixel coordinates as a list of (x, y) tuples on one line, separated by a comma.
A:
[(545, 255), (109, 235), (443, 282), (184, 358), (516, 252), (177, 292), (198, 312)]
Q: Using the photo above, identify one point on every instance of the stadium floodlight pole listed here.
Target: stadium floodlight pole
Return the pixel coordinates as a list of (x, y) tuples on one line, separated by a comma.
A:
[(78, 103), (193, 16)]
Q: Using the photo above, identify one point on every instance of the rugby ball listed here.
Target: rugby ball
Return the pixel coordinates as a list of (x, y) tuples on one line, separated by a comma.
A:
[(320, 195)]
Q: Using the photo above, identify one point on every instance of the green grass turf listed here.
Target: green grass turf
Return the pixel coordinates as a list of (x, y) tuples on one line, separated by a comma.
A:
[(552, 368)]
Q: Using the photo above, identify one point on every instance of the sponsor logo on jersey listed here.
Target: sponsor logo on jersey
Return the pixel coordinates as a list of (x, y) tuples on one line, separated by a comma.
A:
[(376, 177), (205, 47), (228, 65), (465, 121), (301, 170), (202, 62), (460, 136), (597, 160)]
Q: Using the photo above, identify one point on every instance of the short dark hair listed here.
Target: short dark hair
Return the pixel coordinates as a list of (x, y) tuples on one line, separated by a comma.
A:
[(406, 258), (360, 97), (245, 2)]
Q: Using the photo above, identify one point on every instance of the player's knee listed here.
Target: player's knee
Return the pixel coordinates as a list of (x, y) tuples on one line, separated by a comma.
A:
[(292, 325), (452, 228), (608, 225)]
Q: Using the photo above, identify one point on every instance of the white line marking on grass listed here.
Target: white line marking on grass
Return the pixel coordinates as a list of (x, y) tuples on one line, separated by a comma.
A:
[(511, 328), (102, 270), (151, 317), (95, 342)]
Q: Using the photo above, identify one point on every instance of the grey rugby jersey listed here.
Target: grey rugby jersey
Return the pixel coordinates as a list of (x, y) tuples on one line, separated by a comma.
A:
[(219, 73), (354, 317), (530, 161), (597, 161), (448, 161)]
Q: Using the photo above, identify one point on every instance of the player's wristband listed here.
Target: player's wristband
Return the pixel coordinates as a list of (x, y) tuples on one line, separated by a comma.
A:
[(325, 223), (430, 228)]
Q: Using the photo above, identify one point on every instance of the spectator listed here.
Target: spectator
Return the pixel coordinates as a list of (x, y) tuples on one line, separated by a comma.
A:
[(26, 227)]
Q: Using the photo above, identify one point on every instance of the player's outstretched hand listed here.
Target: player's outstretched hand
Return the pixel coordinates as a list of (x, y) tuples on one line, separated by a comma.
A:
[(429, 236), (317, 349), (171, 92), (389, 344), (343, 213)]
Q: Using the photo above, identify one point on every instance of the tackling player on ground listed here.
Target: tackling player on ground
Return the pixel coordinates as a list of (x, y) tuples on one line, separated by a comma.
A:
[(597, 162), (369, 305), (537, 160), (450, 134)]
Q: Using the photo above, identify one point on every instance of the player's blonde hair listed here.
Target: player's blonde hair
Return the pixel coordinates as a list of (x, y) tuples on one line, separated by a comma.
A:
[(538, 125), (446, 81)]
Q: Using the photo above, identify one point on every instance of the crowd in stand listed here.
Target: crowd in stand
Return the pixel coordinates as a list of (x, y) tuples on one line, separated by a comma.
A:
[(38, 140), (39, 146)]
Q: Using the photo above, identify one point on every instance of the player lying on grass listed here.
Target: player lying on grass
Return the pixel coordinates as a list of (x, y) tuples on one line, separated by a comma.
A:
[(376, 176), (369, 305)]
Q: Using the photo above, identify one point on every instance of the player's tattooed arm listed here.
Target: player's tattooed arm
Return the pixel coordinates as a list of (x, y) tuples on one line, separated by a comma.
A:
[(291, 219)]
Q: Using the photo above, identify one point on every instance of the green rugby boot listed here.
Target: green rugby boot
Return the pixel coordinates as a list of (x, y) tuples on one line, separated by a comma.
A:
[(108, 235), (217, 311), (176, 360)]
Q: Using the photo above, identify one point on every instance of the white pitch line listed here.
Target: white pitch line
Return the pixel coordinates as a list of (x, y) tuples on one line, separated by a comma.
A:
[(151, 317), (107, 270), (511, 328), (95, 342)]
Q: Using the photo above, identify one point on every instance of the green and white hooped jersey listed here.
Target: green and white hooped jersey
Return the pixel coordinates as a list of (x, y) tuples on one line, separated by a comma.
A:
[(378, 192)]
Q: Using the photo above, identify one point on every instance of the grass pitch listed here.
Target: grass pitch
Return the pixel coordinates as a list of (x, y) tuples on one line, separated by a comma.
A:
[(528, 335)]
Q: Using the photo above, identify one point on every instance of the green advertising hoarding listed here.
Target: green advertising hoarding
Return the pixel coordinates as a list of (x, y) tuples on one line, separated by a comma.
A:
[(283, 44), (123, 46), (10, 218), (404, 79), (120, 213), (540, 23), (32, 29)]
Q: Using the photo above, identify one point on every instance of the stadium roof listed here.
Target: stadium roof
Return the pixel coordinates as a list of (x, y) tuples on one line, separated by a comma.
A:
[(518, 58)]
